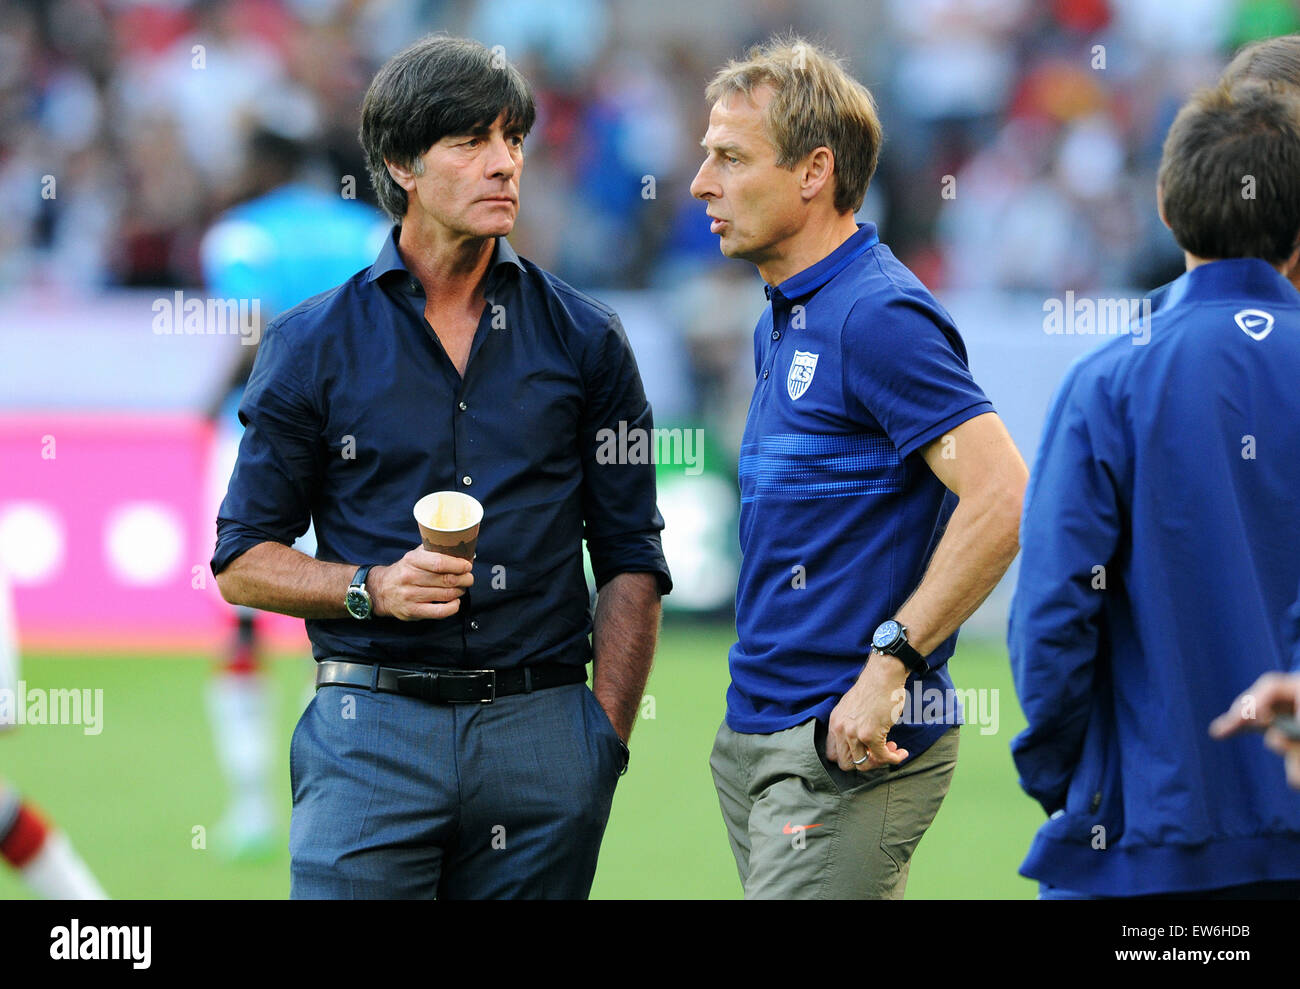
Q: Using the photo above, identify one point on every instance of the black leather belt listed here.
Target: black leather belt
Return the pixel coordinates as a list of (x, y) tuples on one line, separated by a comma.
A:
[(441, 686)]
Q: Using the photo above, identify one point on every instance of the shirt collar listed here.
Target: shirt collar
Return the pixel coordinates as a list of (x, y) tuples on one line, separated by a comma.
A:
[(815, 276), (1231, 278), (390, 259)]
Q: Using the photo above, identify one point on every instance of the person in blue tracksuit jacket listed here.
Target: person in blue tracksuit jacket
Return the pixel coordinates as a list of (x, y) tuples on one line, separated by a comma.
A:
[(1274, 60), (1159, 544)]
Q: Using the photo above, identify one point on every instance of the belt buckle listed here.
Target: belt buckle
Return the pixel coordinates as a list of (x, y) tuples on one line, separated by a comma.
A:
[(465, 674)]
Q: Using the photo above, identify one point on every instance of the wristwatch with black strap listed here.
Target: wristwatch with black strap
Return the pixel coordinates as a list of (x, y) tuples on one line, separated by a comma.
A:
[(891, 638), (357, 600)]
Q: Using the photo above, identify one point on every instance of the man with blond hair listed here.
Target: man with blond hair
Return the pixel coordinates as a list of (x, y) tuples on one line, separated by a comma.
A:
[(880, 498)]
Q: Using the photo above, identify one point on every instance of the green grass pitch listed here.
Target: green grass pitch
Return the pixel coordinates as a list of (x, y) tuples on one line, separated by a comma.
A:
[(132, 796)]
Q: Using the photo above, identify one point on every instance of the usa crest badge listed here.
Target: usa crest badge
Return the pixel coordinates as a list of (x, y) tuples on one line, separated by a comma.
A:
[(801, 373)]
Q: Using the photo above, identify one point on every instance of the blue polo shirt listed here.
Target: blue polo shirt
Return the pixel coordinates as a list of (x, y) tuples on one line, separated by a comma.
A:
[(858, 367)]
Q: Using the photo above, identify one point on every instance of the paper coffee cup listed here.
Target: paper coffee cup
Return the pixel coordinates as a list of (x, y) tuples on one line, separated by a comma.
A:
[(449, 522)]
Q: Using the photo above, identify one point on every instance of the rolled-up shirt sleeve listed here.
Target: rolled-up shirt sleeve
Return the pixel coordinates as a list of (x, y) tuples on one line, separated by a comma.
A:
[(621, 518), (270, 493)]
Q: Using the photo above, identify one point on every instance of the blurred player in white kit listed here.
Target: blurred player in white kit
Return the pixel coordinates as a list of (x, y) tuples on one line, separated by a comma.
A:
[(41, 854)]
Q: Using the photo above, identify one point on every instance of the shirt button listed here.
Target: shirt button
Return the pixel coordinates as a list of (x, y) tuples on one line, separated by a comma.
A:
[(462, 406), (467, 480), (776, 334), (765, 374), (473, 626)]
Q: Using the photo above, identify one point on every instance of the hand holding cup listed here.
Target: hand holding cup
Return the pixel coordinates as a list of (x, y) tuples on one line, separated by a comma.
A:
[(429, 581)]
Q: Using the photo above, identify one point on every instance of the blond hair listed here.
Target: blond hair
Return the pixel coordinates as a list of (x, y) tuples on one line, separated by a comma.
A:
[(1273, 60), (815, 103)]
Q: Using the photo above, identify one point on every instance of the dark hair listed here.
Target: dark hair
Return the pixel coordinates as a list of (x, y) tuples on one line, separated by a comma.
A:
[(1229, 171), (435, 87), (1273, 60)]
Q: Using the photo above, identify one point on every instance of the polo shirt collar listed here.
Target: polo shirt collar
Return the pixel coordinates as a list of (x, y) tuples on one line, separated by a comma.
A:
[(815, 276), (390, 259), (1231, 278)]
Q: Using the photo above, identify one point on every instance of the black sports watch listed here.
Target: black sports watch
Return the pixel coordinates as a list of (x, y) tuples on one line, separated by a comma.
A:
[(358, 600), (891, 638)]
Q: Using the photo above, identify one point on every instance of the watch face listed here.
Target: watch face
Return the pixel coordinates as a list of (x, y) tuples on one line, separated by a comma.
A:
[(885, 634), (358, 603)]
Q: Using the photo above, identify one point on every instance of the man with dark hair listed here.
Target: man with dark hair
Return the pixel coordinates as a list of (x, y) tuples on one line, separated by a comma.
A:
[(1274, 62), (451, 749), (865, 430), (1156, 560)]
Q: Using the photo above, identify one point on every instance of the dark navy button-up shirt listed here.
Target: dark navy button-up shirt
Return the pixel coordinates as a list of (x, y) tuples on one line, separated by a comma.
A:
[(354, 411)]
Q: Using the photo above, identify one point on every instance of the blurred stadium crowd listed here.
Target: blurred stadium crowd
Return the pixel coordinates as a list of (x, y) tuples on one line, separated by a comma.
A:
[(1051, 141), (1021, 137)]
